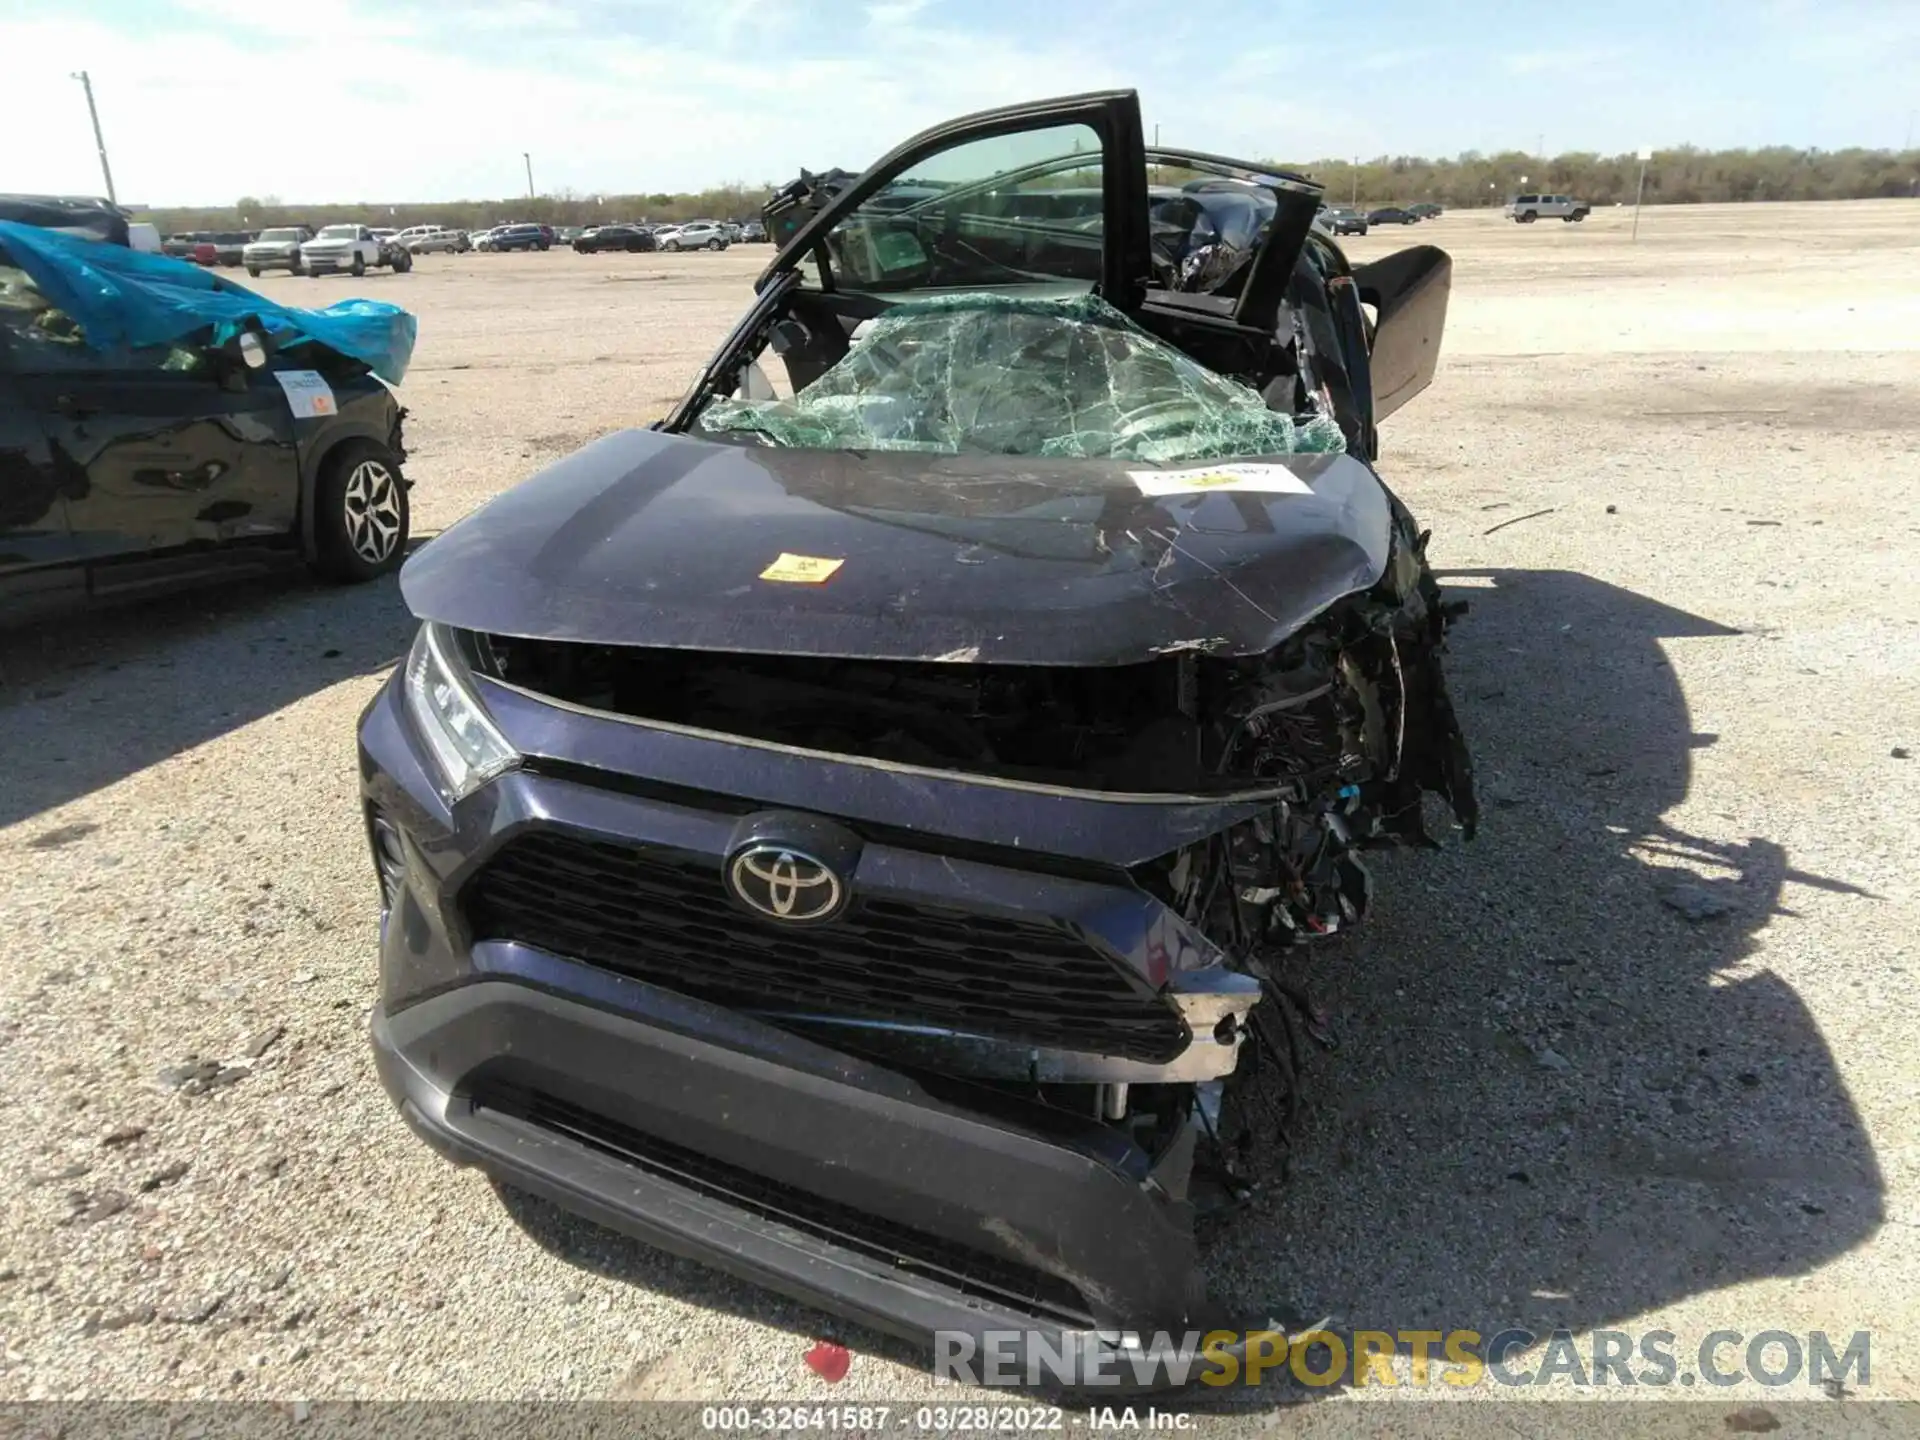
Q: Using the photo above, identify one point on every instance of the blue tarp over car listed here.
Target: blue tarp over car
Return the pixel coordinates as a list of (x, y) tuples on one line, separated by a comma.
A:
[(123, 297)]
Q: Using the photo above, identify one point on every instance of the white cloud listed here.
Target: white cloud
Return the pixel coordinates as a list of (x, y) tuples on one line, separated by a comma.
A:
[(267, 102), (894, 12), (1570, 61)]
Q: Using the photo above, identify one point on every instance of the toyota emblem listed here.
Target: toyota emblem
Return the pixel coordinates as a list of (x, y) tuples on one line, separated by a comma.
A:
[(785, 884)]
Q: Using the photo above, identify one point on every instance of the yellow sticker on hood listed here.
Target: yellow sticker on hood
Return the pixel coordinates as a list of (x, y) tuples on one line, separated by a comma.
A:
[(801, 569)]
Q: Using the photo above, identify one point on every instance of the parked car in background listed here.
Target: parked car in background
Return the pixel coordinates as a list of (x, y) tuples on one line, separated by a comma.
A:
[(276, 249), (1392, 215), (1343, 222), (697, 235), (520, 237), (753, 233), (1525, 209), (354, 248), (127, 469), (431, 239), (229, 246), (1426, 210), (629, 238), (181, 243)]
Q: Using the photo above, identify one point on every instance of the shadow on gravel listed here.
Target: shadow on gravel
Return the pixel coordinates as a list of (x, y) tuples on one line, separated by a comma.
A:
[(1555, 1100), (94, 695)]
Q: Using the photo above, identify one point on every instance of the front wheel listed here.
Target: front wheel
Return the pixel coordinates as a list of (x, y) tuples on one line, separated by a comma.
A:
[(360, 513), (402, 263), (359, 266), (254, 271), (674, 246), (1527, 219), (715, 245)]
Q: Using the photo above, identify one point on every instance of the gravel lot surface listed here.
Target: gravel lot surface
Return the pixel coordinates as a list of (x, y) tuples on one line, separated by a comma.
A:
[(1641, 1056)]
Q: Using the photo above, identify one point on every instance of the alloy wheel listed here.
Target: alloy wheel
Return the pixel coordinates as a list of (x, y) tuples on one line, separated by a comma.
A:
[(372, 511)]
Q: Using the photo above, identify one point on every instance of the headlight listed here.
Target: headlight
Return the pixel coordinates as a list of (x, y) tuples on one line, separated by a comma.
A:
[(468, 746)]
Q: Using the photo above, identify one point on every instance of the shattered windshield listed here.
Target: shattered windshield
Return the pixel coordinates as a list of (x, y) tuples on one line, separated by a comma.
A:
[(999, 375)]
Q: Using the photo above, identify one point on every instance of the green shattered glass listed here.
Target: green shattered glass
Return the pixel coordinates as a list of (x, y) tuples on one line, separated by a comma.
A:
[(990, 374)]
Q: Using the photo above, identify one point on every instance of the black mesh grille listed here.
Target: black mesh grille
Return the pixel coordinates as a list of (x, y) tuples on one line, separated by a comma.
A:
[(900, 1247), (664, 918)]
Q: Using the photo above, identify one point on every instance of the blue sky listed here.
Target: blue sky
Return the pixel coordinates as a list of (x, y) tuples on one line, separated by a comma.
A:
[(207, 100)]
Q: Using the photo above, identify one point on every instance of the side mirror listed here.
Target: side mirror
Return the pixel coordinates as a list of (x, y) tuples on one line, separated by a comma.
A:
[(248, 349)]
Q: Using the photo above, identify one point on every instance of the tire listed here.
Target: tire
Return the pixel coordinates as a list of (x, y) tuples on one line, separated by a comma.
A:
[(672, 246), (298, 267), (360, 513), (359, 266), (715, 245), (1576, 218), (403, 262), (1526, 217), (541, 246), (253, 271)]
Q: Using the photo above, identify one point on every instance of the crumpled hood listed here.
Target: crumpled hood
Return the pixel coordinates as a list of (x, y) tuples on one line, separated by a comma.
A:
[(652, 539)]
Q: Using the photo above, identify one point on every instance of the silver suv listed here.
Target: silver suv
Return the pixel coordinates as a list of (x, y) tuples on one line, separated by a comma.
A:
[(1528, 208), (697, 235)]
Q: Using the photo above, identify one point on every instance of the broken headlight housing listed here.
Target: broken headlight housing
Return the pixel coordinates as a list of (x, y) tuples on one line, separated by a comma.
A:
[(467, 746)]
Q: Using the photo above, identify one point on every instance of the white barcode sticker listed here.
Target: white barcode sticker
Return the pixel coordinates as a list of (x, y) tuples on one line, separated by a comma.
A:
[(308, 394), (1269, 479)]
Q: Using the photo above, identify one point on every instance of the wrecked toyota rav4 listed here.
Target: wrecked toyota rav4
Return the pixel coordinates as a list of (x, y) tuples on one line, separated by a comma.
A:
[(849, 832)]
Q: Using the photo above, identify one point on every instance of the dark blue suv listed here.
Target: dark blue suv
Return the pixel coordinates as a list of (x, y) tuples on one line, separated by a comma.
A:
[(850, 839)]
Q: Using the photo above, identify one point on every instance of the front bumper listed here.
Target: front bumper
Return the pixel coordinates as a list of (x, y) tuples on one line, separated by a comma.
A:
[(910, 1202), (838, 1183)]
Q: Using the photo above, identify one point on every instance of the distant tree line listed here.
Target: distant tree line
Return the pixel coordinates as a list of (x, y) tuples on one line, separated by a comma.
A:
[(1674, 177), (1686, 176)]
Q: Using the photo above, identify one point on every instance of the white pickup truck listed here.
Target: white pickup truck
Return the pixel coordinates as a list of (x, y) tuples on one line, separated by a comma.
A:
[(353, 248)]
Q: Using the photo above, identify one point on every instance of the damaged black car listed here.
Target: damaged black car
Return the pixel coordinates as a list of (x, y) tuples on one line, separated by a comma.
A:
[(850, 832)]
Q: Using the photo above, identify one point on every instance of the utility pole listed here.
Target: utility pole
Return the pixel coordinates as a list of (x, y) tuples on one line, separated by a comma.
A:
[(1640, 191), (1356, 182), (528, 157), (99, 141)]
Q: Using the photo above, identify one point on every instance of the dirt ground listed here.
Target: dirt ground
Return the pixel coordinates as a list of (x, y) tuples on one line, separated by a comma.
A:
[(1677, 481)]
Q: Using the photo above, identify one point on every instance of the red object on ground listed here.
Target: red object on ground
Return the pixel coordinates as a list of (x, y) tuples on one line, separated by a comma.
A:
[(829, 1361)]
